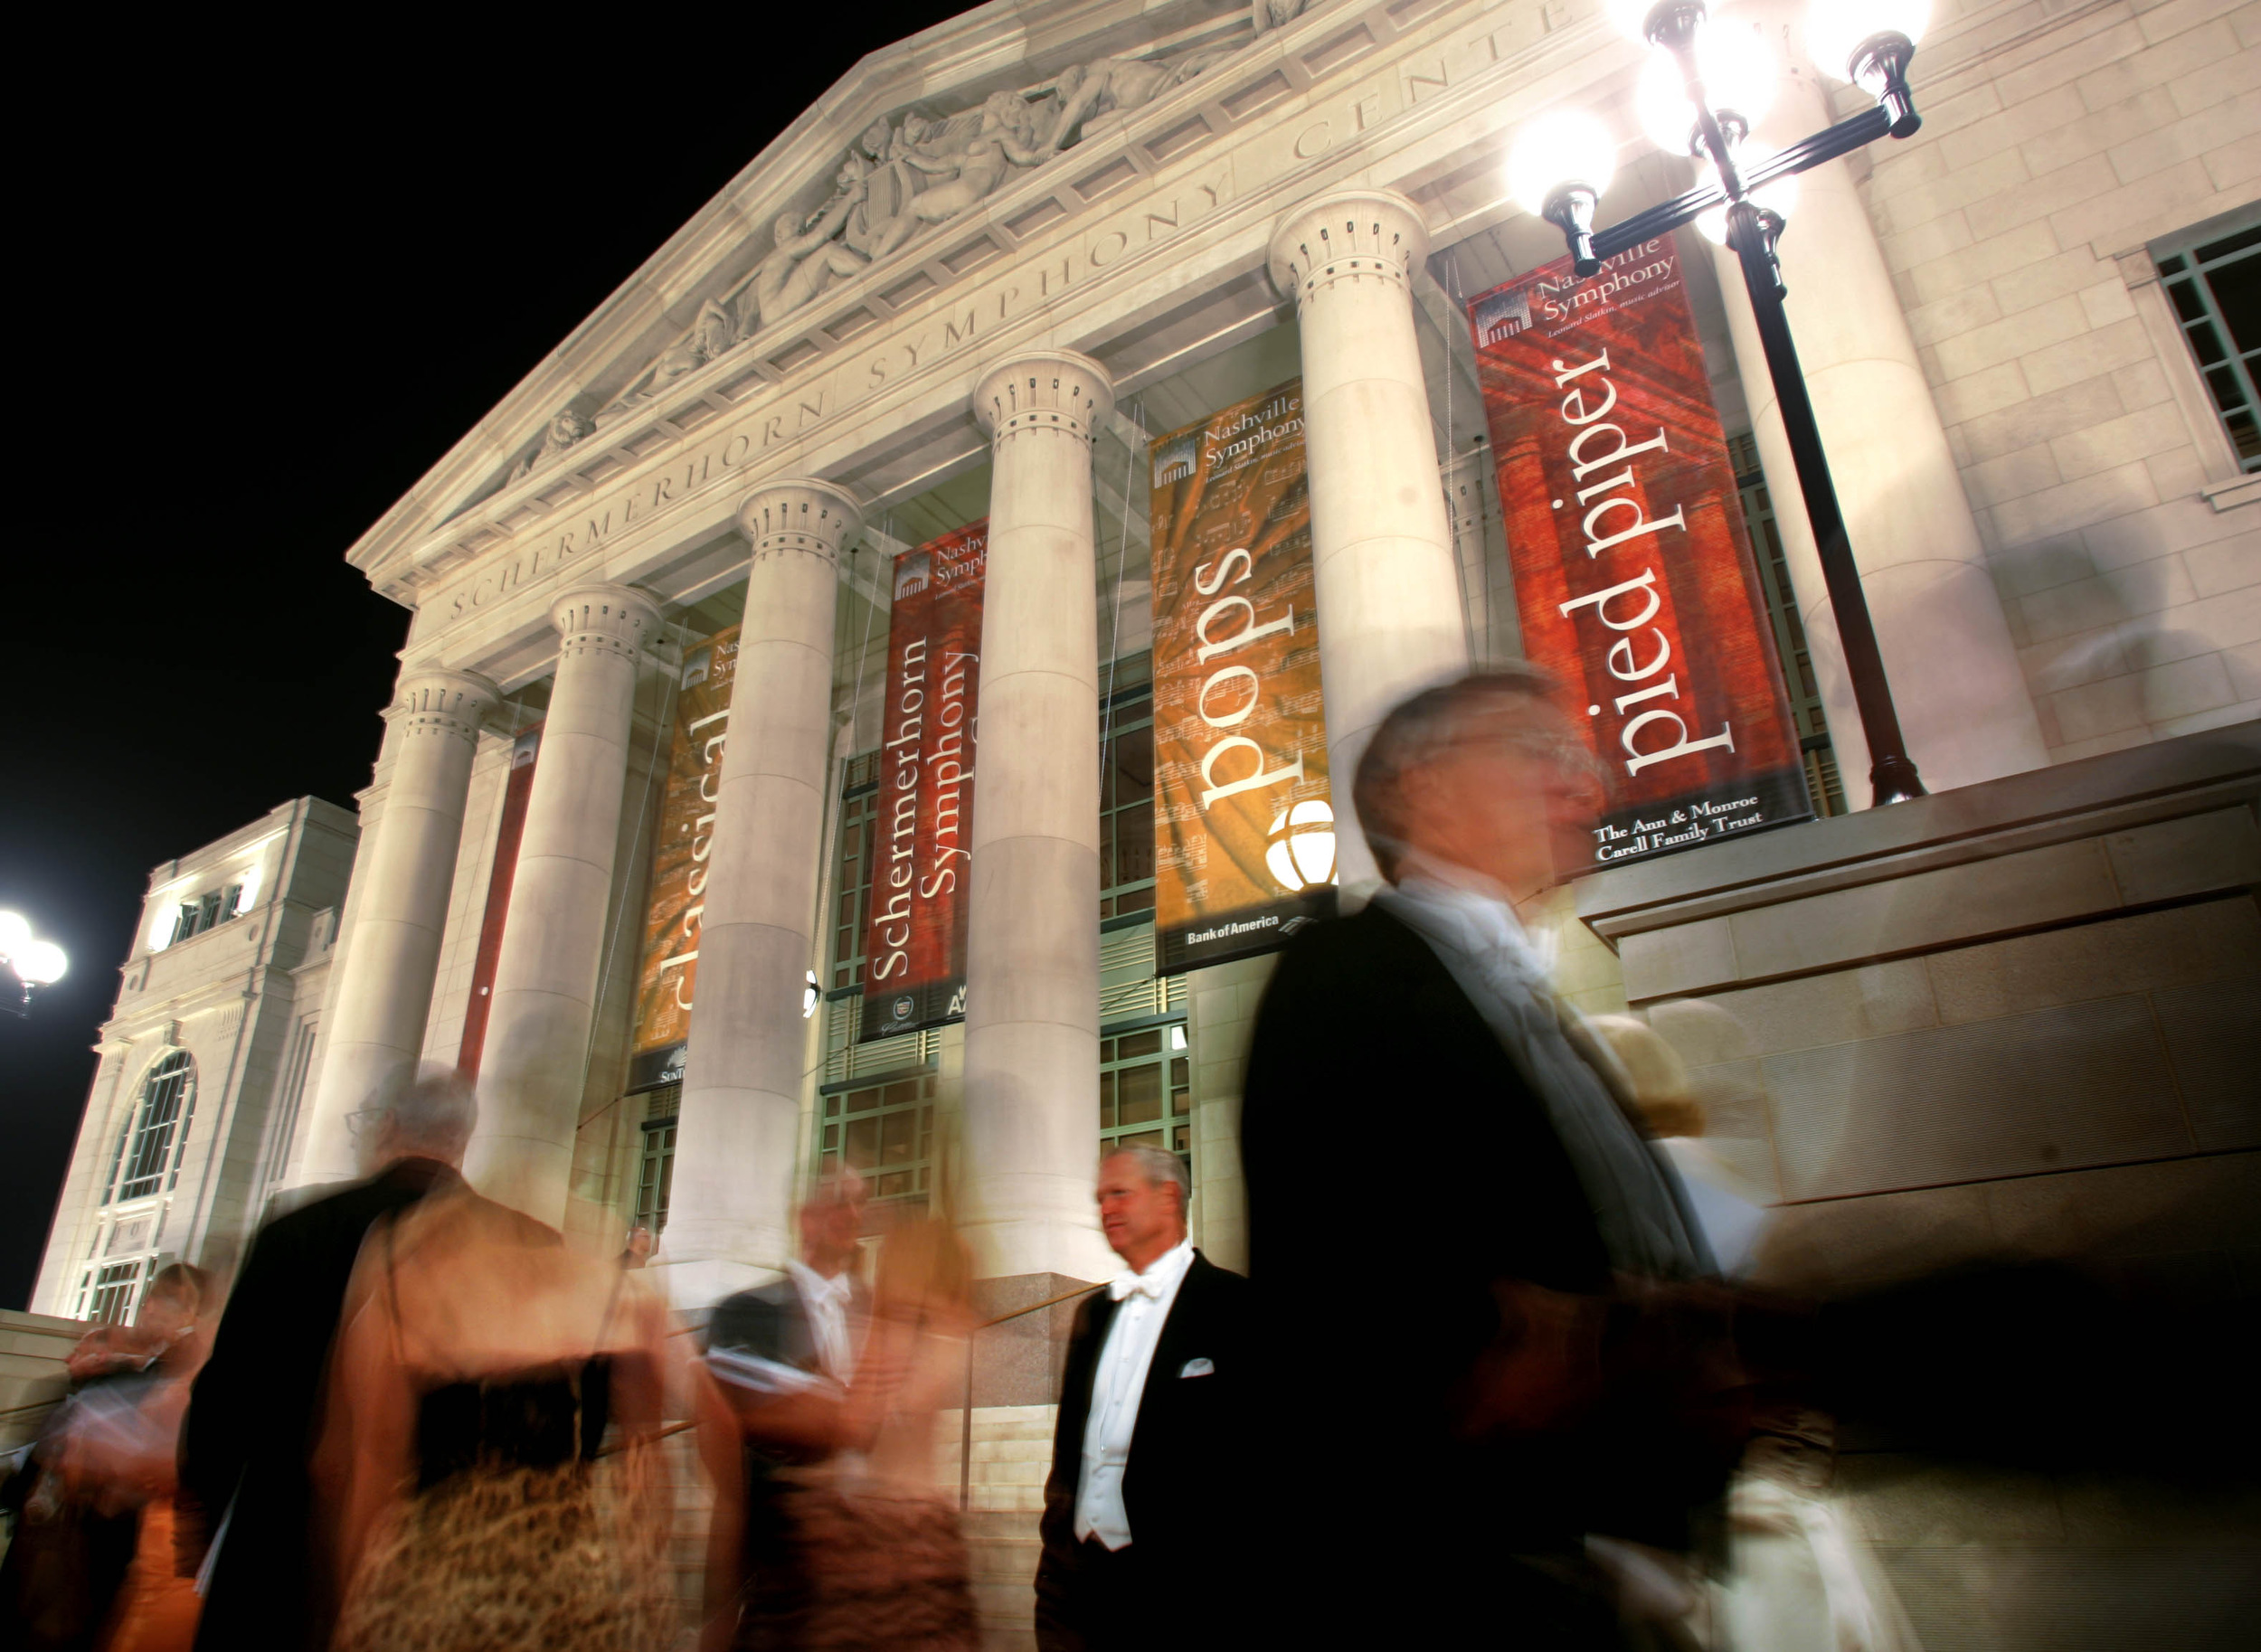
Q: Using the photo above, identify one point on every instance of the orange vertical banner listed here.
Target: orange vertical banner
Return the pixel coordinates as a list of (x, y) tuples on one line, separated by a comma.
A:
[(1243, 810)]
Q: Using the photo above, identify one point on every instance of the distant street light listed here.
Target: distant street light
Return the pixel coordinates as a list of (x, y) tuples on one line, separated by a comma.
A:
[(34, 963), (1700, 95)]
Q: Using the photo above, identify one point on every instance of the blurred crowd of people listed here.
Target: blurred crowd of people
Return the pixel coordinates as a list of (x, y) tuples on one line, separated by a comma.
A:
[(1563, 1411)]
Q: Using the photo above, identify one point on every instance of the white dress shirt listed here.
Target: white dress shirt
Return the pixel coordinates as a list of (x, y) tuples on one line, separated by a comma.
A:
[(825, 1302), (1118, 1384)]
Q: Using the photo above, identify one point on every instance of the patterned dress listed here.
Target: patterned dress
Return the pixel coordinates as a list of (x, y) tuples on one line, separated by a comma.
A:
[(512, 1539)]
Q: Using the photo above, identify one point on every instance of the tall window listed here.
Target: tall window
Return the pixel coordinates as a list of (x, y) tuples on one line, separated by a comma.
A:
[(1126, 789), (293, 1091), (885, 1131), (149, 1150), (2215, 285), (859, 820), (1146, 1090), (1822, 782), (656, 1165)]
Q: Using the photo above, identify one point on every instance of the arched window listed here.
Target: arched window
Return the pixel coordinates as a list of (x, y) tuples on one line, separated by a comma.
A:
[(149, 1150)]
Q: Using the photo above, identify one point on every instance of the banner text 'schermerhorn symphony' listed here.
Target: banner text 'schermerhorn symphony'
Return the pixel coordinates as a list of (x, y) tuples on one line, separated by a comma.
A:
[(914, 940), (1633, 577), (1244, 813)]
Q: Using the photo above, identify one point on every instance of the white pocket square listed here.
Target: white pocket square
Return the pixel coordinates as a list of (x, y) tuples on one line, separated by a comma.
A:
[(1197, 1368)]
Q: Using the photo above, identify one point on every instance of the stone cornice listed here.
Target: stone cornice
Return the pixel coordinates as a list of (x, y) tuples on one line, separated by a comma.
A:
[(1403, 109), (961, 55)]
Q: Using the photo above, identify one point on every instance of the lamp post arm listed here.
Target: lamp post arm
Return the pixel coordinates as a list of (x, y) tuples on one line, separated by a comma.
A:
[(1826, 144), (1892, 772)]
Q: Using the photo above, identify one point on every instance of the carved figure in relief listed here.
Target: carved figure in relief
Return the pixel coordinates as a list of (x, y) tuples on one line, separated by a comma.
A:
[(1270, 14), (566, 427), (1006, 138), (711, 337), (901, 180), (1090, 93), (806, 256), (882, 221)]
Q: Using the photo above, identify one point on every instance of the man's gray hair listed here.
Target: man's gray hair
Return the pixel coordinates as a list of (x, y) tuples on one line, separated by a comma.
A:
[(1159, 1165), (1416, 734), (436, 1109)]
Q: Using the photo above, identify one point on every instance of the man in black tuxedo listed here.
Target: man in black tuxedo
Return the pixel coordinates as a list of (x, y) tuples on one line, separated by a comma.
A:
[(1526, 1355), (1144, 1502), (784, 1359), (248, 1437)]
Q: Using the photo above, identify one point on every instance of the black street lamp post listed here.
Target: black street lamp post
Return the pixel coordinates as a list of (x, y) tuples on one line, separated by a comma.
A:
[(1878, 62)]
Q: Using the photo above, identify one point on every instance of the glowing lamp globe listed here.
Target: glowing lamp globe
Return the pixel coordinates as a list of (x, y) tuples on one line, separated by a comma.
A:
[(1740, 73), (1301, 854), (1836, 30), (15, 933), (1562, 149), (40, 962)]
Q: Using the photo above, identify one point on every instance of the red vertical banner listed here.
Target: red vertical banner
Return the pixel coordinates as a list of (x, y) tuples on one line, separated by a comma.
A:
[(914, 943), (1244, 813), (500, 877), (1632, 566)]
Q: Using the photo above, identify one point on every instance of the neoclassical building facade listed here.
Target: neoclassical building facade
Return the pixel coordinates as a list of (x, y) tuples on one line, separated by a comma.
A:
[(969, 284)]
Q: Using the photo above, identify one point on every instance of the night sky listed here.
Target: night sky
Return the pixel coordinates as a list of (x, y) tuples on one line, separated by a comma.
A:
[(264, 280)]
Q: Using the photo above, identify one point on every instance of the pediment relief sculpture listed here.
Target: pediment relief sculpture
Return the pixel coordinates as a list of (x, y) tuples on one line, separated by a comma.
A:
[(911, 174), (565, 427)]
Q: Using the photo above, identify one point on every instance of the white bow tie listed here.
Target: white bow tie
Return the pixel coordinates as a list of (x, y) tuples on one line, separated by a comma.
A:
[(1145, 1284)]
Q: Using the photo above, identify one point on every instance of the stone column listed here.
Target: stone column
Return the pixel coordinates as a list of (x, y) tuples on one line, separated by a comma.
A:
[(535, 1064), (1961, 695), (381, 996), (1032, 961), (1390, 619), (737, 1138)]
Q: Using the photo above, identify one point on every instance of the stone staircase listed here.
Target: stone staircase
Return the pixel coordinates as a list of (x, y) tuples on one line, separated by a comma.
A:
[(1012, 1451)]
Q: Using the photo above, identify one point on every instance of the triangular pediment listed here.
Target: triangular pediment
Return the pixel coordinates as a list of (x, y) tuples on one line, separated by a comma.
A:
[(938, 150)]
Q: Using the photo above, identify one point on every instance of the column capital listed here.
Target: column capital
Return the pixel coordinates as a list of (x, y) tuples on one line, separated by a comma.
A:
[(801, 515), (603, 618), (1045, 389), (1350, 235), (438, 700)]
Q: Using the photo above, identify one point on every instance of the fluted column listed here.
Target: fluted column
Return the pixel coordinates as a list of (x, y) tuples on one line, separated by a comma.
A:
[(381, 996), (736, 1139), (535, 1068), (1031, 953), (1390, 620), (1960, 693)]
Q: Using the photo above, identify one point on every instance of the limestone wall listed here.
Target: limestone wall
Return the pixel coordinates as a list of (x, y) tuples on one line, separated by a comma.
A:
[(2057, 142)]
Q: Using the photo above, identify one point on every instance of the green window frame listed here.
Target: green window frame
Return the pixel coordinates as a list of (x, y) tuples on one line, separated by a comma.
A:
[(852, 868), (656, 1160), (2212, 275), (155, 1134), (1146, 1088), (113, 1291), (884, 1132), (1126, 789)]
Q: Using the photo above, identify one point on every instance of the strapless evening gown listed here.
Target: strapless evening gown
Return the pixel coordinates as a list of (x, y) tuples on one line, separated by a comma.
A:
[(510, 1540)]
